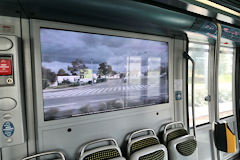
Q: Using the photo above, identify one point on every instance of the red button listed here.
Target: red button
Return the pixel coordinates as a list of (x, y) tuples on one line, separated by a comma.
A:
[(5, 67)]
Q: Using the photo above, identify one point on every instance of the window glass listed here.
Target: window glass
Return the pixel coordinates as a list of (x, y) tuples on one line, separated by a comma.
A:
[(225, 82), (86, 73), (199, 52)]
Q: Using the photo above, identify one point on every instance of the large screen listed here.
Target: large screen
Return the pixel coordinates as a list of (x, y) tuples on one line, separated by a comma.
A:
[(86, 73)]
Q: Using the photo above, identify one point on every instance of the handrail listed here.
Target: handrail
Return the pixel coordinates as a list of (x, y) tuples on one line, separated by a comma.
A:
[(139, 131), (98, 141), (215, 77), (171, 124), (193, 78), (216, 68), (44, 154)]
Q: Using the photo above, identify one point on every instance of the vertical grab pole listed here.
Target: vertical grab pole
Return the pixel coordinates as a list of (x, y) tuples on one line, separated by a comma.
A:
[(193, 107), (215, 76), (193, 75), (216, 68)]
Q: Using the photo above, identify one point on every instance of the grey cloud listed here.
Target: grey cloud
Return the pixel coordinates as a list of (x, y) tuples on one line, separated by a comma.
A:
[(66, 46)]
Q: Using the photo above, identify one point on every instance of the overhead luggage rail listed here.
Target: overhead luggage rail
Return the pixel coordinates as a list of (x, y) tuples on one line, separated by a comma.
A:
[(145, 147), (107, 152), (61, 155)]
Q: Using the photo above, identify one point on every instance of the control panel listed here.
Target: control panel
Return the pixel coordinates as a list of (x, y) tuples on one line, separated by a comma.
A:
[(11, 93)]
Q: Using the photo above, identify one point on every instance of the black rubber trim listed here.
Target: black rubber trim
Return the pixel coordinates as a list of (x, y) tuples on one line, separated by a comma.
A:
[(220, 137), (237, 90), (226, 117), (187, 109)]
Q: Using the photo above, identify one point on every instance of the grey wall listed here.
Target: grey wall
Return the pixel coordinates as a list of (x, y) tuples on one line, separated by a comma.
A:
[(117, 127), (18, 151), (178, 72)]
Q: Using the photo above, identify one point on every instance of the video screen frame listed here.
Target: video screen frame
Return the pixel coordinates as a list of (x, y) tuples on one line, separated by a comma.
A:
[(37, 76)]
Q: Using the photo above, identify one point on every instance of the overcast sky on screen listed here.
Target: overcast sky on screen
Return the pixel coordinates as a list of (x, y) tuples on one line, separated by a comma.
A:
[(59, 48)]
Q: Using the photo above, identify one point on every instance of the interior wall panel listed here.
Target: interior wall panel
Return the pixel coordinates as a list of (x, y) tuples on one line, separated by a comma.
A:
[(18, 151)]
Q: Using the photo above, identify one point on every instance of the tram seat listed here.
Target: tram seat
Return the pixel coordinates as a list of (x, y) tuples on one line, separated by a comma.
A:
[(180, 144), (107, 152), (60, 154), (145, 147)]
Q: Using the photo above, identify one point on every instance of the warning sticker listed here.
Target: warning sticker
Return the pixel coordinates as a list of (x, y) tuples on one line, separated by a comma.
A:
[(5, 67), (8, 129)]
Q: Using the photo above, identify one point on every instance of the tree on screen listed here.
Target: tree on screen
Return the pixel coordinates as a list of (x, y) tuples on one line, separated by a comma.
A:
[(62, 72), (113, 73), (104, 69), (77, 65), (47, 74)]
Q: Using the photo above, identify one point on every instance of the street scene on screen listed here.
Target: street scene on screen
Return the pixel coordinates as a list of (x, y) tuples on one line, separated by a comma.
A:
[(85, 73)]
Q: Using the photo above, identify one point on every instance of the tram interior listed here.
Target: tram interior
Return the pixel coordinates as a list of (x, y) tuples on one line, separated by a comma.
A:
[(126, 79)]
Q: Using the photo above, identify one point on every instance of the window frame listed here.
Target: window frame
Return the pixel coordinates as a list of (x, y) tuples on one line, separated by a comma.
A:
[(209, 90), (233, 84)]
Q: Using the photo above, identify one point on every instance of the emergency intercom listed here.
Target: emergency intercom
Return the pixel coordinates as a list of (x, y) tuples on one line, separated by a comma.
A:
[(11, 92)]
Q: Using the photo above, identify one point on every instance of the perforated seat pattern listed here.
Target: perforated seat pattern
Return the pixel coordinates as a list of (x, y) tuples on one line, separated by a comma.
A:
[(103, 155), (187, 148), (143, 144), (158, 155), (176, 134)]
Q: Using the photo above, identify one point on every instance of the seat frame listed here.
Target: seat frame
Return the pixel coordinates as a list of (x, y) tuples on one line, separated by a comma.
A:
[(173, 153), (165, 136), (85, 153), (145, 151), (167, 131), (45, 154)]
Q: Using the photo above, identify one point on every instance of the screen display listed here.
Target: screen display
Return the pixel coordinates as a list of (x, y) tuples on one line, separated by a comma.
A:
[(85, 73)]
